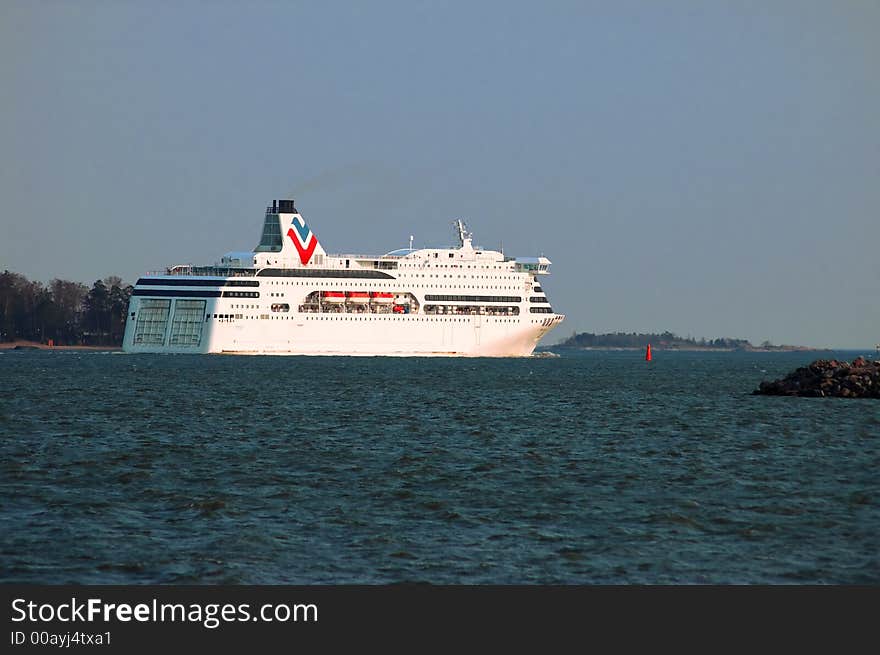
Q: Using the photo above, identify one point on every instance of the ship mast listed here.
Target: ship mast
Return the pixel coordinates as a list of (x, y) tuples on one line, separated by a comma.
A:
[(464, 237)]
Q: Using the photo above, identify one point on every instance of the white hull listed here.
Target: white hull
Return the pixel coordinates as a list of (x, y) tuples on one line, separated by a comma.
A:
[(356, 334)]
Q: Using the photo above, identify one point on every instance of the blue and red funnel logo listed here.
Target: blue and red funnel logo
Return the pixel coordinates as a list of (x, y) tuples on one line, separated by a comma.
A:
[(303, 239)]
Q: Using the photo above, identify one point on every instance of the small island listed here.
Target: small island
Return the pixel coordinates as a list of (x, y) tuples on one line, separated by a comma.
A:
[(667, 341)]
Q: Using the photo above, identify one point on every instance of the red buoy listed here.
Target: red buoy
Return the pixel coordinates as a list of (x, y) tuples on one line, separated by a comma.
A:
[(648, 353)]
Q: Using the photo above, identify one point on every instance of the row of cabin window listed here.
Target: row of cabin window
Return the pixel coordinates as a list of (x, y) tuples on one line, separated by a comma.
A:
[(391, 317)]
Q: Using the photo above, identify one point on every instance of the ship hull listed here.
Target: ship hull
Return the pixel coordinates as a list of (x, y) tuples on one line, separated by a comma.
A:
[(333, 334)]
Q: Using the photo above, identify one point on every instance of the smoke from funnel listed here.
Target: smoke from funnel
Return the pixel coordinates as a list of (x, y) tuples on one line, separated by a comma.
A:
[(336, 178)]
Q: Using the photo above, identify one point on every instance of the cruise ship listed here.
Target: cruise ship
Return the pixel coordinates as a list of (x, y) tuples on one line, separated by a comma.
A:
[(289, 297)]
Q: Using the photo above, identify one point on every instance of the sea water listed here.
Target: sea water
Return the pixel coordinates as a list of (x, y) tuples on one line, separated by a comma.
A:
[(593, 467)]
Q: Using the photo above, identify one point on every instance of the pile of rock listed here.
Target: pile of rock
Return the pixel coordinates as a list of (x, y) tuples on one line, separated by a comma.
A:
[(828, 377)]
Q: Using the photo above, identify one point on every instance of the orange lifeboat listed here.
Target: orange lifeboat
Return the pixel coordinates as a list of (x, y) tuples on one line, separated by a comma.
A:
[(381, 297), (361, 297), (333, 296)]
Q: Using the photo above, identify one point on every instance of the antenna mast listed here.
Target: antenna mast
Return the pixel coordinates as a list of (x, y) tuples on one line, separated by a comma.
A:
[(464, 237)]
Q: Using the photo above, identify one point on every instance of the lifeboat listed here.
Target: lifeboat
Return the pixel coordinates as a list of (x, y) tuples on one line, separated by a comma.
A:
[(333, 296), (358, 296), (381, 297)]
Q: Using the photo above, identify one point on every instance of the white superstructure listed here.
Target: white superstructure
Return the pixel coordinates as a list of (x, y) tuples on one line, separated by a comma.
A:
[(290, 297)]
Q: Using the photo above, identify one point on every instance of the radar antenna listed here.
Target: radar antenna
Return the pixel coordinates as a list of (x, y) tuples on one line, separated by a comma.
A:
[(464, 236)]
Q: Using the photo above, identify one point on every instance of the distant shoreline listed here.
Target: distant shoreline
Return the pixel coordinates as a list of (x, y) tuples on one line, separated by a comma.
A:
[(670, 341), (699, 349), (35, 345)]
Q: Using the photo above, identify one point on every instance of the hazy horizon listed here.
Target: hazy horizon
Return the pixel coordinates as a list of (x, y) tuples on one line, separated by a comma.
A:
[(703, 168)]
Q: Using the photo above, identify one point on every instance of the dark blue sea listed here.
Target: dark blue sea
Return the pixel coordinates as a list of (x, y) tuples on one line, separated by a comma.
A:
[(593, 467)]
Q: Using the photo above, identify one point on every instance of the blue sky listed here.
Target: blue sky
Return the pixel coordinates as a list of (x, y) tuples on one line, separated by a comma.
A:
[(703, 167)]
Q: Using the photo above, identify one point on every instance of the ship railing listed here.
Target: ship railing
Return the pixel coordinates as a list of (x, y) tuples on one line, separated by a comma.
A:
[(362, 257), (206, 271)]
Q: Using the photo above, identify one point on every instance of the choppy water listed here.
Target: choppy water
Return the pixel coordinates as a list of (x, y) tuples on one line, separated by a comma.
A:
[(594, 467)]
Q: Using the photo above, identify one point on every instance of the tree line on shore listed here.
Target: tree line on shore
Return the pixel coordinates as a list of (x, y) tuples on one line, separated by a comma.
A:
[(663, 340), (65, 312)]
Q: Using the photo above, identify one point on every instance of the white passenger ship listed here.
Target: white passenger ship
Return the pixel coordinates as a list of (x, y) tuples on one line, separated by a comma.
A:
[(289, 297)]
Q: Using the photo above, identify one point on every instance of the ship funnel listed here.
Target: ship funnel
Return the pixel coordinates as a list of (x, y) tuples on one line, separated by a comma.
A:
[(300, 243), (288, 237), (285, 207)]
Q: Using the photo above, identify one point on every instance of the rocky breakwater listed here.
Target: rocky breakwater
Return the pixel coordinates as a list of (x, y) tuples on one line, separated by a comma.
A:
[(828, 377)]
